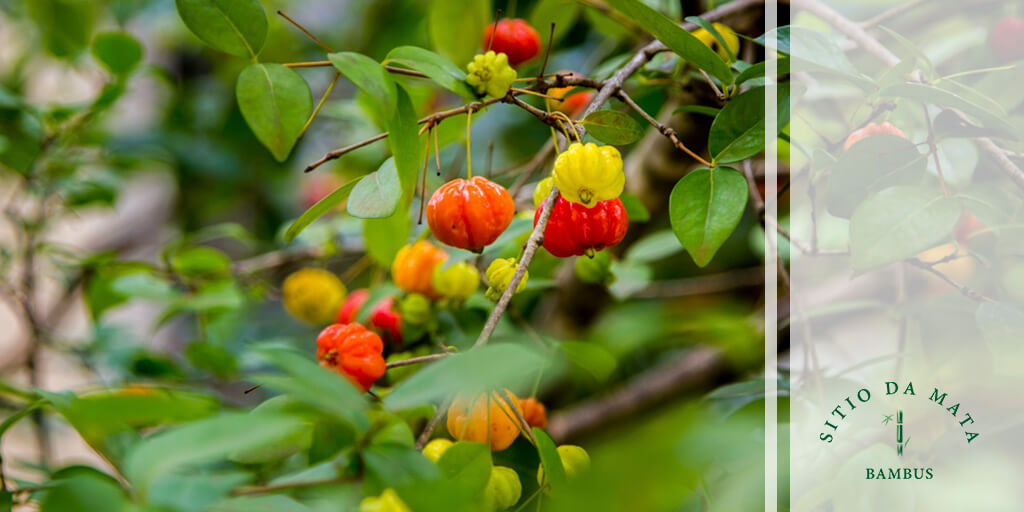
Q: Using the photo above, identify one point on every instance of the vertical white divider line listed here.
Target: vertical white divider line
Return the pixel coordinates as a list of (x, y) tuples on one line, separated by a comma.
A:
[(771, 306)]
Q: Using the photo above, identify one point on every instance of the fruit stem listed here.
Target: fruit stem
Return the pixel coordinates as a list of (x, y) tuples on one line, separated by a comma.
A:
[(469, 145)]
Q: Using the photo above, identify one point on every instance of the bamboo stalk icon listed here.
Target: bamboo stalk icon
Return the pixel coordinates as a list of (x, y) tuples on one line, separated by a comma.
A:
[(899, 432)]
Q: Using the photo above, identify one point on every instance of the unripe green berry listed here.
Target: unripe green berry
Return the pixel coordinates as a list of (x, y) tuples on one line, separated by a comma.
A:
[(415, 309), (575, 461), (490, 73), (436, 448)]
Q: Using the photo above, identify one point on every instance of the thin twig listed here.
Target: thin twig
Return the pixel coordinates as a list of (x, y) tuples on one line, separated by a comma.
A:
[(417, 360), (320, 104), (432, 118), (665, 130), (304, 31), (432, 424), (891, 13), (309, 64), (965, 290)]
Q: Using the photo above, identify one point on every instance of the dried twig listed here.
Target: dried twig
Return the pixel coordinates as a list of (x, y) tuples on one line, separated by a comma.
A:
[(665, 130)]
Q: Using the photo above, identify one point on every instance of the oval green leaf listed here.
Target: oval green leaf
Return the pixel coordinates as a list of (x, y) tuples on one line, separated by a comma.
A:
[(238, 27), (554, 471), (467, 463), (681, 42), (738, 131), (612, 127), (871, 165), (898, 223), (377, 195), (276, 102), (370, 77), (705, 207), (436, 67), (471, 372), (328, 203), (119, 52)]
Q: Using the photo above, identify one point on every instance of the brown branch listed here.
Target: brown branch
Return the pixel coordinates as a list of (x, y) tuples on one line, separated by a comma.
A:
[(891, 13), (432, 118), (965, 290), (309, 34), (665, 130), (695, 370), (432, 424)]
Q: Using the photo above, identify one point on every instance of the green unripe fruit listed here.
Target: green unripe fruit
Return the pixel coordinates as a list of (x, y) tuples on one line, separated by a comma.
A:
[(436, 448), (595, 270), (503, 489), (457, 282), (415, 309), (388, 501), (542, 191), (575, 461), (499, 276)]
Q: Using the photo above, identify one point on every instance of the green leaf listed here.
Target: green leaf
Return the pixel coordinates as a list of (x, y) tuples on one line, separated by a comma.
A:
[(268, 503), (706, 25), (474, 371), (683, 43), (65, 25), (436, 67), (898, 223), (404, 142), (201, 442), (97, 416), (328, 203), (870, 165), (635, 209), (698, 109), (738, 132), (705, 207), (563, 13), (467, 463), (119, 52), (200, 262), (613, 127), (385, 237), (591, 358), (83, 488), (816, 51), (781, 39), (554, 472), (314, 385), (194, 492), (370, 77), (377, 195), (276, 102), (943, 98), (758, 70), (238, 27), (457, 27)]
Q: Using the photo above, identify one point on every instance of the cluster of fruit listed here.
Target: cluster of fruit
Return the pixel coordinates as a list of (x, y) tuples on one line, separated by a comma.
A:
[(489, 419), (354, 342)]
